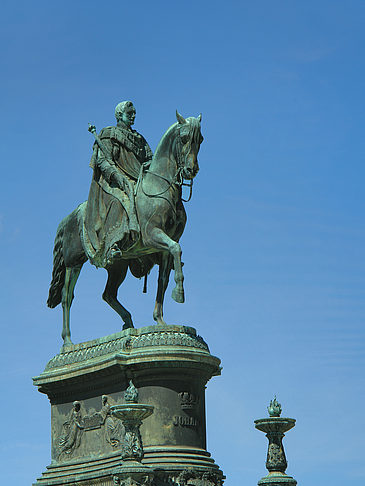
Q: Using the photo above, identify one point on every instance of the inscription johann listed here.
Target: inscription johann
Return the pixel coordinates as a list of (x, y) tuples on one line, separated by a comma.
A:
[(178, 420)]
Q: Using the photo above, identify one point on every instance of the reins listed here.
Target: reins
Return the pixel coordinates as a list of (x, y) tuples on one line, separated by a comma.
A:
[(190, 192)]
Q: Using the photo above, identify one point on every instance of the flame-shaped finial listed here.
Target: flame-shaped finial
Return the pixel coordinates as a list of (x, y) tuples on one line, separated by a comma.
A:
[(131, 393), (274, 408)]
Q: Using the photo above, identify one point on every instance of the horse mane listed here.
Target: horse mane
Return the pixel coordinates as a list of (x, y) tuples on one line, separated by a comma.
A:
[(164, 138), (190, 120)]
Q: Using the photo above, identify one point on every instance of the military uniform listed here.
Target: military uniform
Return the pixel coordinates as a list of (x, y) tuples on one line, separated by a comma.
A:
[(110, 220)]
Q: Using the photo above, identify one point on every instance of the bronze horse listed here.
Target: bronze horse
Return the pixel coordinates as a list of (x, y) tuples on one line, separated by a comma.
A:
[(162, 220)]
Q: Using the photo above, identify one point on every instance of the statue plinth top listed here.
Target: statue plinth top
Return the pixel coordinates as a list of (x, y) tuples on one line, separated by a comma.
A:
[(153, 347)]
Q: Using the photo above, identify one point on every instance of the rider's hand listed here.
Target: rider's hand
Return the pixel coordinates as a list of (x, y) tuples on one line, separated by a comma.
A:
[(118, 179)]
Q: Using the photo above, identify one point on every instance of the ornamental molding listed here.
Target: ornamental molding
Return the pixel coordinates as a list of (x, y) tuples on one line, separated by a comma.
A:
[(120, 343)]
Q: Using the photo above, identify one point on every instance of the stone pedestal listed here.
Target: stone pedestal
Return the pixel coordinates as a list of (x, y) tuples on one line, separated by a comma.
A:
[(170, 366)]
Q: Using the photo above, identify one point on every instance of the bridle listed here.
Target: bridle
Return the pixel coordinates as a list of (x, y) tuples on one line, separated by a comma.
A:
[(178, 179)]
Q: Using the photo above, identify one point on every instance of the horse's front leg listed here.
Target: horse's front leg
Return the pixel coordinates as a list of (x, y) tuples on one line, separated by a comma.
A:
[(163, 280), (158, 239)]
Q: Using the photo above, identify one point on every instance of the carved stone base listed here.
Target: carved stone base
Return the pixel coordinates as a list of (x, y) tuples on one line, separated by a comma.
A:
[(169, 365), (133, 474)]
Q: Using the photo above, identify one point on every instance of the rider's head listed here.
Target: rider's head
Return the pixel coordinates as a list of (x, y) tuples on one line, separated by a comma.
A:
[(77, 405), (125, 112)]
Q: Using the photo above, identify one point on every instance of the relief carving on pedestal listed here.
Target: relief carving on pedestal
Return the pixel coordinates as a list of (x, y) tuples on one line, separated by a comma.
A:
[(131, 481), (191, 477), (72, 431), (112, 426), (276, 460), (77, 425)]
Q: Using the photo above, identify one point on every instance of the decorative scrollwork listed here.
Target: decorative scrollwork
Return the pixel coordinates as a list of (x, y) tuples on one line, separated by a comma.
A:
[(276, 460)]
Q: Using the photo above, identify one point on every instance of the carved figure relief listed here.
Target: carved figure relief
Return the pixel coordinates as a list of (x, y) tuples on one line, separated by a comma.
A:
[(190, 477), (72, 431), (130, 481), (112, 426), (77, 425)]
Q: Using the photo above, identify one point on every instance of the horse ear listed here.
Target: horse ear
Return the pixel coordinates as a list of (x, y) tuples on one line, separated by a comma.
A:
[(199, 118), (180, 118)]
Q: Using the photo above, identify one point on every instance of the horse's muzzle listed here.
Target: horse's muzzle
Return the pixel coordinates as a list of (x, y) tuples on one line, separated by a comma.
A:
[(190, 173)]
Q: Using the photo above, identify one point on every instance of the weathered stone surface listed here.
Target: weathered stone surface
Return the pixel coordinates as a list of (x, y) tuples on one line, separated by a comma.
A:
[(169, 365)]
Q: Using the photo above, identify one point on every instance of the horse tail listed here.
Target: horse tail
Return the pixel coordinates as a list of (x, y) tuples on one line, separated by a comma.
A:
[(59, 269)]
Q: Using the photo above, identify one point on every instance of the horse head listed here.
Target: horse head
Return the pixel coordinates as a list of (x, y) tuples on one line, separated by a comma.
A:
[(188, 140)]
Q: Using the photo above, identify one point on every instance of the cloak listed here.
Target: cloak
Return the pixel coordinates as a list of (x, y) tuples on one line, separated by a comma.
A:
[(110, 217)]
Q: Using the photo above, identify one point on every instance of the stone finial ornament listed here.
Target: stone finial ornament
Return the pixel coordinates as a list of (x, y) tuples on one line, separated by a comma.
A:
[(274, 408), (131, 393)]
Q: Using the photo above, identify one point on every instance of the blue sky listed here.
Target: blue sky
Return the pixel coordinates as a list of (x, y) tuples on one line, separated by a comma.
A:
[(274, 246)]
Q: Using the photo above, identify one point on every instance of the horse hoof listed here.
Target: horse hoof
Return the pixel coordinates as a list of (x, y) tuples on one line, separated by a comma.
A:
[(127, 325), (178, 296), (66, 345)]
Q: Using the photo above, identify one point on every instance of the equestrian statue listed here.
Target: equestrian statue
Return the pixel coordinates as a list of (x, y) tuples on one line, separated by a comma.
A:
[(134, 215)]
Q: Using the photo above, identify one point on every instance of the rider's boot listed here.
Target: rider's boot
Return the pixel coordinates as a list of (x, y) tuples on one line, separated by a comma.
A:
[(114, 253)]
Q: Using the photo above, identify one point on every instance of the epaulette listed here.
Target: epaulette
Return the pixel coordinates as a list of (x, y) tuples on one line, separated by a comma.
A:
[(130, 139), (106, 132)]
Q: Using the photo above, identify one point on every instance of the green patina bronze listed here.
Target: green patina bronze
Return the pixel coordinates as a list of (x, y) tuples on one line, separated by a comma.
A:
[(134, 215), (275, 428)]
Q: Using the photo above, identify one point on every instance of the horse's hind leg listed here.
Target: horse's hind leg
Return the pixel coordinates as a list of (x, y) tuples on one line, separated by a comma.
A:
[(116, 275), (71, 276), (163, 280)]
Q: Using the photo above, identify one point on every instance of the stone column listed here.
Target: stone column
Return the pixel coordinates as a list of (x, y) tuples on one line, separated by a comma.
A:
[(276, 463)]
